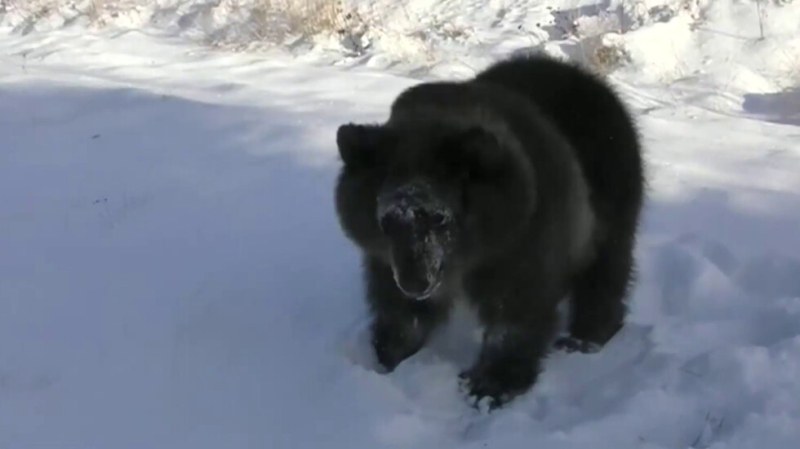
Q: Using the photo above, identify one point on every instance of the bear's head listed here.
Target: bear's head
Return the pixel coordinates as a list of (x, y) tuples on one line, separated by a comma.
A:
[(431, 199)]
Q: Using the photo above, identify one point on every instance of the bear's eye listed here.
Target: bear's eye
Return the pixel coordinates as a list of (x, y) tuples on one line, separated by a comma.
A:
[(388, 224), (437, 219)]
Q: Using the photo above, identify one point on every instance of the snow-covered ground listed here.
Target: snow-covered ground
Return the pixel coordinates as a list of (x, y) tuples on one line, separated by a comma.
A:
[(735, 44), (172, 274)]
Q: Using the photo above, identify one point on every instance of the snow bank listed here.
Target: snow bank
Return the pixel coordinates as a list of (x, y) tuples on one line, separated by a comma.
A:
[(742, 44)]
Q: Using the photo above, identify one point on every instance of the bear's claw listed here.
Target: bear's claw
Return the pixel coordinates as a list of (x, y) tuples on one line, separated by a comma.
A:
[(571, 344)]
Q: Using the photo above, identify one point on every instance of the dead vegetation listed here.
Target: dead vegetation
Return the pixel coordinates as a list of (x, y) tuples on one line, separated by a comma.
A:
[(275, 19)]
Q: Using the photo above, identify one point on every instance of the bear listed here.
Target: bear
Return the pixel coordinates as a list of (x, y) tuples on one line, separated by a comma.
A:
[(514, 190)]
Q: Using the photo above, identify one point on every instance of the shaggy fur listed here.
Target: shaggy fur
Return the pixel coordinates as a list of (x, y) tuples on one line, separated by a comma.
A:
[(514, 190)]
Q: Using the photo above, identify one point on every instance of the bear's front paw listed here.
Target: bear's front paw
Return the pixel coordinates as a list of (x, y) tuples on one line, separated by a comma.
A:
[(479, 387), (387, 353), (394, 344), (570, 344), (498, 383)]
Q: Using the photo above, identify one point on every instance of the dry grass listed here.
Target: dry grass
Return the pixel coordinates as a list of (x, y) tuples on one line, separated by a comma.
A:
[(271, 20), (596, 34), (277, 18), (607, 57), (30, 8)]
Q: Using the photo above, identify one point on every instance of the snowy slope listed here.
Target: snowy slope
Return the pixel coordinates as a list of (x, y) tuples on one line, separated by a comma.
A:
[(172, 274), (732, 44)]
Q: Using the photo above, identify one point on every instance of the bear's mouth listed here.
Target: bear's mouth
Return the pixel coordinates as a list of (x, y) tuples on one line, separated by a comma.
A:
[(418, 267), (412, 289)]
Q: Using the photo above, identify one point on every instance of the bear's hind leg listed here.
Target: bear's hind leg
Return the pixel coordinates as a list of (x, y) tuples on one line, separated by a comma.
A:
[(598, 297)]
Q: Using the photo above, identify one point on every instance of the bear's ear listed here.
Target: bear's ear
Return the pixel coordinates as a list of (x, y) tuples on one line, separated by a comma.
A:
[(360, 145)]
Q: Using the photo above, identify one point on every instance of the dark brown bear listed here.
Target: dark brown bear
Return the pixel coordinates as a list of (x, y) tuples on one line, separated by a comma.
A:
[(513, 190)]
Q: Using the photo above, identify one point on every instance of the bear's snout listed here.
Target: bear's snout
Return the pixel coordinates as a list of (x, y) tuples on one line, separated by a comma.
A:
[(417, 270)]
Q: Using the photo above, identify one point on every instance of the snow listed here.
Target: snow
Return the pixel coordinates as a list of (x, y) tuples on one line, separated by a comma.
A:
[(172, 274), (735, 44)]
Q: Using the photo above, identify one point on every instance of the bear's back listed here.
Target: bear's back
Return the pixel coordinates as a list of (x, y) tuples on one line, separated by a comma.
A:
[(590, 115)]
